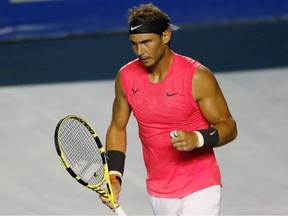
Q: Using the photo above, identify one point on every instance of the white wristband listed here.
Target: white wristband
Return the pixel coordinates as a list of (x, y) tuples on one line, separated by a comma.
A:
[(200, 139), (114, 172)]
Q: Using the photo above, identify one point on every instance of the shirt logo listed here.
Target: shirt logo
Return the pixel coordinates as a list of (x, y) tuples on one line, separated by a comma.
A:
[(135, 90), (171, 94)]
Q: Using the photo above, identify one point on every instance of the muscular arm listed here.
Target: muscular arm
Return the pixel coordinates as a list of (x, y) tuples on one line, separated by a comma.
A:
[(213, 105), (116, 133)]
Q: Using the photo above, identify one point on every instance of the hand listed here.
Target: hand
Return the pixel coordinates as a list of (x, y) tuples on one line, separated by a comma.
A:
[(185, 141), (116, 188)]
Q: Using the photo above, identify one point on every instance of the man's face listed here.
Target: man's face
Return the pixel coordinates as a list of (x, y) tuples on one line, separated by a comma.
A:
[(148, 47)]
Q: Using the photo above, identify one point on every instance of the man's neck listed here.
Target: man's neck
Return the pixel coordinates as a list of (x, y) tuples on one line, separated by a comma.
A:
[(158, 72)]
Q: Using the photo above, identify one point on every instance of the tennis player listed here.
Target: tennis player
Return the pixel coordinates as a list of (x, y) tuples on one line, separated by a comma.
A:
[(182, 116)]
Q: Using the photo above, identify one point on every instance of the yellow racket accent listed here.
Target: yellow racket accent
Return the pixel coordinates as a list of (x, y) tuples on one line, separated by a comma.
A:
[(83, 155)]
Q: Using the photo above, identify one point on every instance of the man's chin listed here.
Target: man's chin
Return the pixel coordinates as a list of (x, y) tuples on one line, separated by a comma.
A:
[(147, 63)]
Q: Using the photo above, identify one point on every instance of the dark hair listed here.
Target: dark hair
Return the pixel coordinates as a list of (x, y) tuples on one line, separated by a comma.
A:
[(146, 13)]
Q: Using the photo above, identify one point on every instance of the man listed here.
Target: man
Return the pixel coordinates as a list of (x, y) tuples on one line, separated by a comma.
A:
[(169, 92)]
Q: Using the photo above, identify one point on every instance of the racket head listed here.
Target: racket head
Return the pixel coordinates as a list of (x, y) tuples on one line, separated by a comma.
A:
[(81, 151), (83, 155)]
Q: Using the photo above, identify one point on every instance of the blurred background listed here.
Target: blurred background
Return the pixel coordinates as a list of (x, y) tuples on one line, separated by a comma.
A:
[(68, 40), (60, 57)]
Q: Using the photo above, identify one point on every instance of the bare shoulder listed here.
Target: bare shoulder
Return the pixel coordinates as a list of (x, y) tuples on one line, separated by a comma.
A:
[(118, 85), (120, 96), (204, 83), (203, 73)]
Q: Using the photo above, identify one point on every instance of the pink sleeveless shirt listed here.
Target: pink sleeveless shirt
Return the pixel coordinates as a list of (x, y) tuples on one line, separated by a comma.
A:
[(160, 108)]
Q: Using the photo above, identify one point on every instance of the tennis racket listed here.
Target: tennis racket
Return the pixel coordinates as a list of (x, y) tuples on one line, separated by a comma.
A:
[(83, 156)]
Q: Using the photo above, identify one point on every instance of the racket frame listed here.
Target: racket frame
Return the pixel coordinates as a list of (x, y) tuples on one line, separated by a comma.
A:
[(109, 195)]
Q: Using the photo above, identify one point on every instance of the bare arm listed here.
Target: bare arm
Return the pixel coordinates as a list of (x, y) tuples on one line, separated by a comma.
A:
[(213, 105), (116, 133)]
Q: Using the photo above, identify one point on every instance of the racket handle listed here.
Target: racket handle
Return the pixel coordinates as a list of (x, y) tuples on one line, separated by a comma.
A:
[(120, 212)]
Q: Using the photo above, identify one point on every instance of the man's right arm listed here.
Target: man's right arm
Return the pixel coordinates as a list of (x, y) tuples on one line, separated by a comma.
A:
[(116, 133), (116, 140)]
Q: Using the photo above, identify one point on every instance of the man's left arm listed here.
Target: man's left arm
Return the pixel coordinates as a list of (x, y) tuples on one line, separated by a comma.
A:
[(213, 105)]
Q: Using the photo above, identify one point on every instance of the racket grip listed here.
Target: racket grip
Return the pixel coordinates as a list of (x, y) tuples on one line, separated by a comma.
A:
[(119, 211)]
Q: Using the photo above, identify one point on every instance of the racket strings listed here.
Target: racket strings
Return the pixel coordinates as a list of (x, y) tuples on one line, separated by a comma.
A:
[(81, 151)]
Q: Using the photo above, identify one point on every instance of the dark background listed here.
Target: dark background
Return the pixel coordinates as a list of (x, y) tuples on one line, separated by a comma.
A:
[(78, 40)]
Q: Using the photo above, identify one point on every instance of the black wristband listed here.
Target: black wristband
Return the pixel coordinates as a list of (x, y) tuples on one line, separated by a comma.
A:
[(210, 136), (116, 161)]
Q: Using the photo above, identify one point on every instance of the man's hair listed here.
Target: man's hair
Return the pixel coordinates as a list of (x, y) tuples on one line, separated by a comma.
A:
[(146, 13)]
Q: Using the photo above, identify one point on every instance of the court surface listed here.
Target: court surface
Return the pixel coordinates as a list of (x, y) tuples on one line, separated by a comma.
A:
[(33, 181)]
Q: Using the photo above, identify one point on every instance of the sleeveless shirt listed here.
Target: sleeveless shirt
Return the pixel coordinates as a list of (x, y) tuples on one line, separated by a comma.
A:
[(160, 108)]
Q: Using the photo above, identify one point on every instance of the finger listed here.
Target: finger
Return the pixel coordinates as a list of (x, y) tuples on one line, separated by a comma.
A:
[(182, 146), (103, 199), (107, 202), (177, 145)]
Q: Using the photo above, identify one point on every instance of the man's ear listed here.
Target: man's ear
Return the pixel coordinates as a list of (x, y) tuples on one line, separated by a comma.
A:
[(166, 36)]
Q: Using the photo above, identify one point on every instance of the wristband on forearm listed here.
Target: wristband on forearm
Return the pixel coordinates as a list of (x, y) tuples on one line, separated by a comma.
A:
[(207, 137), (116, 161)]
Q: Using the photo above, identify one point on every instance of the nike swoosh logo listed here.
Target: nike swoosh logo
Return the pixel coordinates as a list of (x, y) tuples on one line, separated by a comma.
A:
[(171, 94), (135, 27), (213, 133)]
